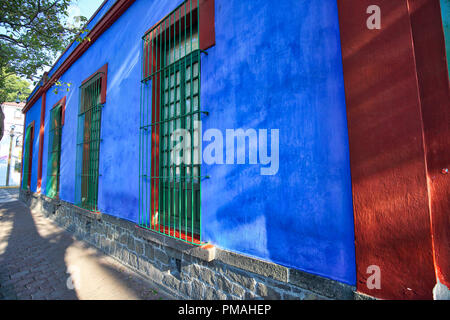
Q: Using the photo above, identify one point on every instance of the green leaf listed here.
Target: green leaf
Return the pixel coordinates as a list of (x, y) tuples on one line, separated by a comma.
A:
[(38, 44)]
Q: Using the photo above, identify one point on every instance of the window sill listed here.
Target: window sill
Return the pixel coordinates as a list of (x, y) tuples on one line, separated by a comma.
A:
[(206, 252), (94, 215)]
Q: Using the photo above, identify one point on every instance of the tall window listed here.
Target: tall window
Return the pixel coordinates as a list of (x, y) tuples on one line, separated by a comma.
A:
[(92, 99), (28, 156), (54, 149), (170, 189)]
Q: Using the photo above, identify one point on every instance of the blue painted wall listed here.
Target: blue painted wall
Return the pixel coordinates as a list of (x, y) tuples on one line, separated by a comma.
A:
[(68, 142), (445, 9), (119, 150), (90, 25), (276, 65)]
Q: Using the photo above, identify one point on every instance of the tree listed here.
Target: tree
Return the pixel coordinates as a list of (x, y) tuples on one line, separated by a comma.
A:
[(32, 35), (12, 86)]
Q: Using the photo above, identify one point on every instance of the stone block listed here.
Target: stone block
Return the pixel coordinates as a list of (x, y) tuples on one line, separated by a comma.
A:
[(322, 286), (266, 292), (171, 282), (260, 267), (242, 278), (149, 251), (130, 244), (139, 247), (162, 257), (197, 290)]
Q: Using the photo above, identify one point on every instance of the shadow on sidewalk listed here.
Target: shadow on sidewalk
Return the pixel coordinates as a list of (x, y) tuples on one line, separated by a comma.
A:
[(34, 264), (32, 267)]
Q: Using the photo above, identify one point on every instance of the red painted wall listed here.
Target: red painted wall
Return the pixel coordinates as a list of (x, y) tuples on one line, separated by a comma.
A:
[(41, 144), (389, 173), (431, 64)]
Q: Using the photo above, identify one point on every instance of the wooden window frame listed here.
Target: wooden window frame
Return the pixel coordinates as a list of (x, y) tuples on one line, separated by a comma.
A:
[(62, 103), (30, 153), (84, 149), (154, 209)]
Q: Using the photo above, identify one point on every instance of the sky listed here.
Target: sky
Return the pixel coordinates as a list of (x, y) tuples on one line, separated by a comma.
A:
[(84, 7)]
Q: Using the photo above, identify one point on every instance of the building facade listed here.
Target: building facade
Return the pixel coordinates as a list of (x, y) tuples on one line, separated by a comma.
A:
[(253, 149), (11, 144)]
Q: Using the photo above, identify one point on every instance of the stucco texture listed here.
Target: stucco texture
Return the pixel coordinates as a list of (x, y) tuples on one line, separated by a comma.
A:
[(275, 65)]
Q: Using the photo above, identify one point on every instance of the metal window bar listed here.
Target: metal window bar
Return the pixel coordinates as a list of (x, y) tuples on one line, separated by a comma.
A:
[(88, 144), (169, 192), (27, 157), (54, 152)]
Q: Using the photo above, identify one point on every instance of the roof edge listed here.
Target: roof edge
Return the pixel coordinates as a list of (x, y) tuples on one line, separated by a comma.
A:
[(116, 10), (65, 50)]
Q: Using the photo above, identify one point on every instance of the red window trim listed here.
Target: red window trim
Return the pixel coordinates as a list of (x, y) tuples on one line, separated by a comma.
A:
[(30, 152), (175, 22), (206, 25), (41, 136), (61, 102), (104, 76), (41, 143), (23, 146), (103, 72)]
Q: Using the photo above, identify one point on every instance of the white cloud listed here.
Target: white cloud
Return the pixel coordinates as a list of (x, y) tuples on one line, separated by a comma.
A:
[(74, 11)]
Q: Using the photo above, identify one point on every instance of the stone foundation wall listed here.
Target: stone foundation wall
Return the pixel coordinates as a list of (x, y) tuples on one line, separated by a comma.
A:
[(186, 271)]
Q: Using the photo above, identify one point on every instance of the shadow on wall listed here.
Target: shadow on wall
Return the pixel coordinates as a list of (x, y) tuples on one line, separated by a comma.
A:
[(285, 73)]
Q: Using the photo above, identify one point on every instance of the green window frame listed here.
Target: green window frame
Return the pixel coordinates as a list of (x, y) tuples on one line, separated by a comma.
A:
[(92, 100), (28, 156), (170, 192), (54, 149)]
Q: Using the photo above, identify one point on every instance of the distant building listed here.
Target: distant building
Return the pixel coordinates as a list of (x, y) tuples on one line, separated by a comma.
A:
[(13, 130)]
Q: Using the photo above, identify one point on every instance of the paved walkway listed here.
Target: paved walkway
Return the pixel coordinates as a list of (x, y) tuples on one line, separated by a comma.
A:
[(9, 195), (39, 260)]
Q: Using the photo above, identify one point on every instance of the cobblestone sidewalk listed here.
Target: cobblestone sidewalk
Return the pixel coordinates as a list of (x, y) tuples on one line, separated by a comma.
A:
[(39, 260)]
